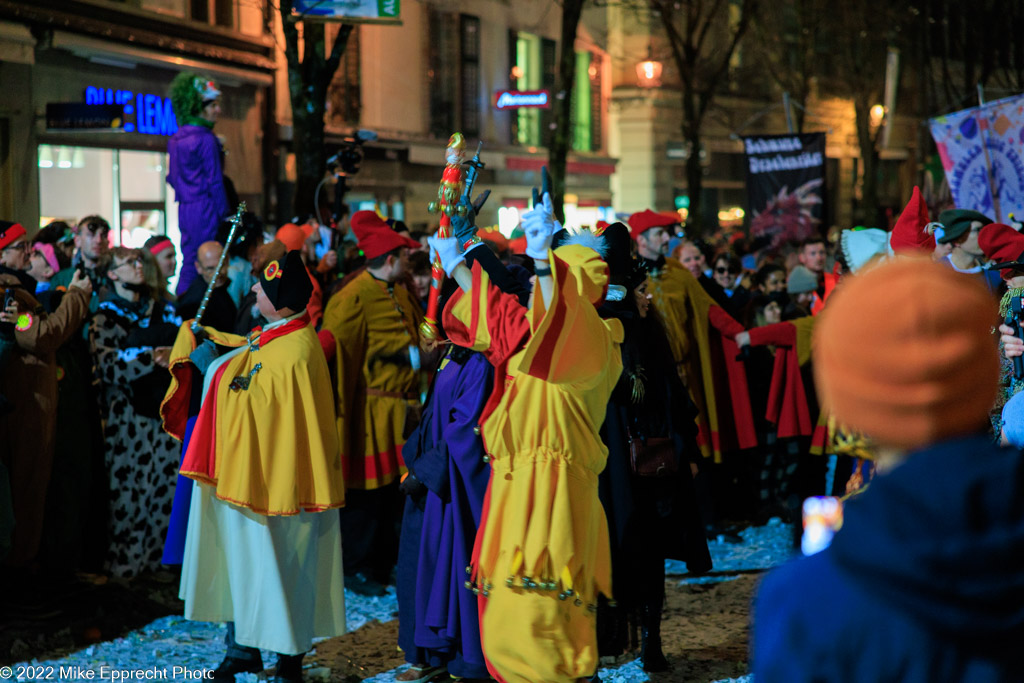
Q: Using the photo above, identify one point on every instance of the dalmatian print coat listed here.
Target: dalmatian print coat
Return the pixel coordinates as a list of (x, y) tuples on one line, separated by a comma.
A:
[(141, 459)]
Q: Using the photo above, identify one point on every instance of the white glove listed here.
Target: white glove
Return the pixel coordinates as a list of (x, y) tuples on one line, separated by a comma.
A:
[(448, 249), (540, 225)]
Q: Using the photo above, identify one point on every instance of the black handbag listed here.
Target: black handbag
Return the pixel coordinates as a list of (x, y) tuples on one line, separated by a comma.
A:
[(653, 457)]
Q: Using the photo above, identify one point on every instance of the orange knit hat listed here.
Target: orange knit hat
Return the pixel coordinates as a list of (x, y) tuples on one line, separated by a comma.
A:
[(905, 354), (292, 235)]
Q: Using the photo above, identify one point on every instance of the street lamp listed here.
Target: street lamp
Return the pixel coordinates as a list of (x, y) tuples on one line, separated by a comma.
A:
[(648, 72), (877, 115)]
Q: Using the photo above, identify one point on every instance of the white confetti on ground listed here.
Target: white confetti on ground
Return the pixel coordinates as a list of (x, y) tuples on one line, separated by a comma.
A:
[(175, 641), (630, 672), (763, 547), (361, 610)]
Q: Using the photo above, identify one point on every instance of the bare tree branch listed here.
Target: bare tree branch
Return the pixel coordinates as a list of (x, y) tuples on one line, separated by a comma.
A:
[(747, 9), (337, 50), (702, 32)]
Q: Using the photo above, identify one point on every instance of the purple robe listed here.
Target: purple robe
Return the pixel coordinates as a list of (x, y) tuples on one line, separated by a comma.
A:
[(197, 177), (451, 465)]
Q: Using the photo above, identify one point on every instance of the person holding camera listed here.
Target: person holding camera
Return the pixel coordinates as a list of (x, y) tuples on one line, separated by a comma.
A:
[(29, 380)]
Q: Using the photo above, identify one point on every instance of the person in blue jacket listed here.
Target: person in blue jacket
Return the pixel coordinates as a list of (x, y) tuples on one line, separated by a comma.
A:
[(924, 581)]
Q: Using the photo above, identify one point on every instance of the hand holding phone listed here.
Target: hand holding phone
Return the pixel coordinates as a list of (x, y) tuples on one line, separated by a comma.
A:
[(8, 314), (823, 517)]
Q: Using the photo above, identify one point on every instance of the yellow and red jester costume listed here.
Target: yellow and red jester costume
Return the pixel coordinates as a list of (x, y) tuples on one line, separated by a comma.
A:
[(542, 551), (717, 382)]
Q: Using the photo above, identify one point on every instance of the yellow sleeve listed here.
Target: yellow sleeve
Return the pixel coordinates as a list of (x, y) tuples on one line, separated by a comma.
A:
[(804, 334)]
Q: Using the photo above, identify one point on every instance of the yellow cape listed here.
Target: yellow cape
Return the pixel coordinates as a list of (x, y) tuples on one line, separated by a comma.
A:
[(265, 436)]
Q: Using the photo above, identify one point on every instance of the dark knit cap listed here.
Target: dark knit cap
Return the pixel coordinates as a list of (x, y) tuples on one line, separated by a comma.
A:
[(956, 222), (286, 282)]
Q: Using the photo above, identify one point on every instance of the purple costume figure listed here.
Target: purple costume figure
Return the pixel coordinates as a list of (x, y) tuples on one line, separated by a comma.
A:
[(439, 623), (195, 170)]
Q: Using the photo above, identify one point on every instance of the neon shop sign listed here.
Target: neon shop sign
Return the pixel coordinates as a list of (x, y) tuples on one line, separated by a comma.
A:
[(143, 112), (521, 99)]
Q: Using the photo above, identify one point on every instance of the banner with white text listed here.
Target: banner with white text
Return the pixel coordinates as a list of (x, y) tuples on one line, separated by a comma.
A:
[(785, 186)]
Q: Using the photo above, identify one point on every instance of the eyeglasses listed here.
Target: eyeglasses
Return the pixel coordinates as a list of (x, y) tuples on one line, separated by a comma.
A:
[(722, 270), (20, 246), (134, 263)]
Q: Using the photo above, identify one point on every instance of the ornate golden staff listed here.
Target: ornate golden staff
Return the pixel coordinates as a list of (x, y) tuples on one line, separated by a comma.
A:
[(236, 220), (448, 194)]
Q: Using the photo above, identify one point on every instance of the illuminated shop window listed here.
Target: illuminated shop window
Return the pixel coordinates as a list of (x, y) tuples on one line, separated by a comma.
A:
[(126, 187), (527, 75), (533, 69)]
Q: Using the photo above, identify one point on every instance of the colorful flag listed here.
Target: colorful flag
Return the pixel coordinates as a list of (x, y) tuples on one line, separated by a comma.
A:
[(980, 149)]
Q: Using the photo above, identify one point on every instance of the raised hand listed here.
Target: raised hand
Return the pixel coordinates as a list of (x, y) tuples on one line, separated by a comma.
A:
[(464, 220), (447, 249), (540, 225)]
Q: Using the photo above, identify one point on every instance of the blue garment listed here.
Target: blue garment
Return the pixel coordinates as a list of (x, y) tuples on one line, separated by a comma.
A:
[(447, 456), (241, 280), (924, 582), (323, 245), (991, 278), (405, 572), (174, 546)]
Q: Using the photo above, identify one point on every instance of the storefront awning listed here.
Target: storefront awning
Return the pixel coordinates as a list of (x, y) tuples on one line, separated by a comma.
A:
[(128, 56)]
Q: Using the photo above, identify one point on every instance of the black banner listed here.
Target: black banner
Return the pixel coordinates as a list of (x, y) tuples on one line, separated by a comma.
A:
[(785, 186), (80, 116)]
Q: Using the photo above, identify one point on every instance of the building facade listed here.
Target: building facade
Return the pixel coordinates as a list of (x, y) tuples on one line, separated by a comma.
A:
[(56, 55), (441, 71)]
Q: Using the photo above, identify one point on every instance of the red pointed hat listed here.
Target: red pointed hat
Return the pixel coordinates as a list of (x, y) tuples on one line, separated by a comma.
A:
[(909, 234), (375, 237), (1005, 246), (642, 221)]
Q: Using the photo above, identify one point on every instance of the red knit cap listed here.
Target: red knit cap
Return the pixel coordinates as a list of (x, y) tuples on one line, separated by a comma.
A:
[(10, 232), (908, 234), (375, 237), (642, 221), (904, 353), (1002, 244)]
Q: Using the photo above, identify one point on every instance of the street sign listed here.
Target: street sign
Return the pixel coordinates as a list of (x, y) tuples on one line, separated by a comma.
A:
[(351, 11)]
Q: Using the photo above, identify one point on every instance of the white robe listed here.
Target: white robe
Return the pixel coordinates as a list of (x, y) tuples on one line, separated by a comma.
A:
[(279, 578)]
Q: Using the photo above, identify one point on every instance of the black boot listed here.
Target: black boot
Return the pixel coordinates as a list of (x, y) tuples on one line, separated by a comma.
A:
[(289, 669), (651, 656), (239, 659)]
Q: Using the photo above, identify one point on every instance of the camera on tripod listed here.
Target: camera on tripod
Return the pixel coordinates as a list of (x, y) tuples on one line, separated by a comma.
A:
[(346, 160)]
